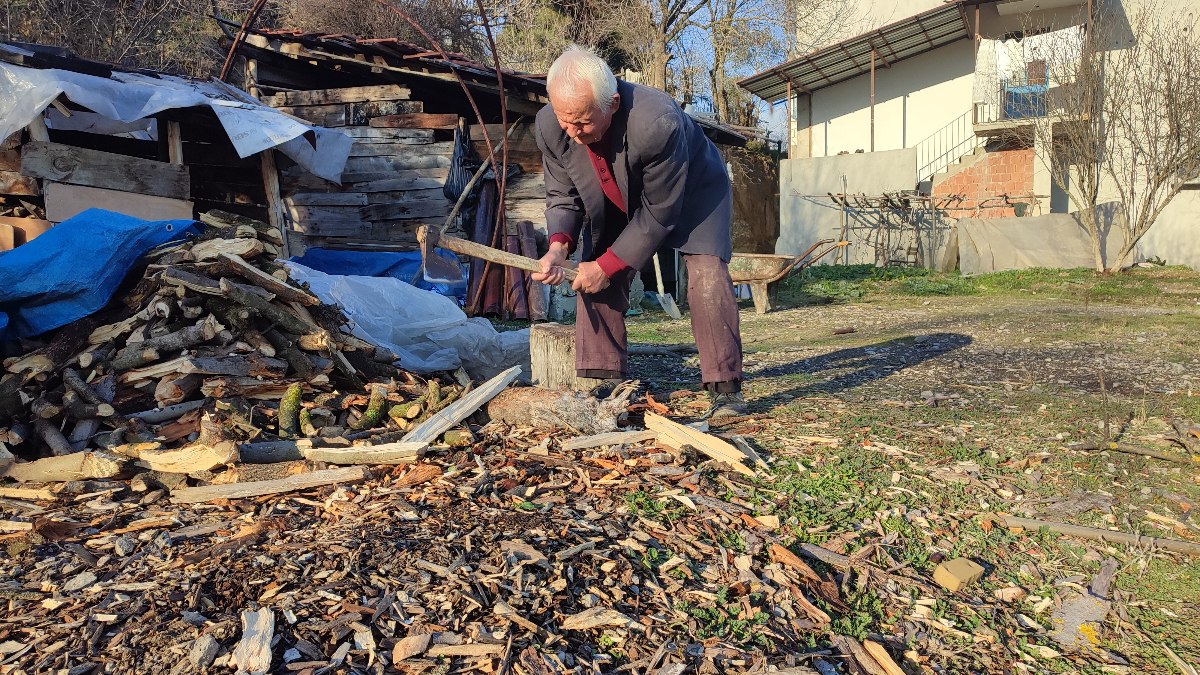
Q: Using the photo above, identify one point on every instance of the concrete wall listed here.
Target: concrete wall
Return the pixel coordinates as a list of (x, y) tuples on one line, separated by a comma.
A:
[(807, 214), (913, 99)]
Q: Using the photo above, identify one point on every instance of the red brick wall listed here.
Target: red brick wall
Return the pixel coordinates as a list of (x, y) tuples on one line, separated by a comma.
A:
[(984, 184)]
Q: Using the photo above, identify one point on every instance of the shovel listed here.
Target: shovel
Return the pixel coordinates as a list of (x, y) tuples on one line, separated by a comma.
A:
[(446, 271), (667, 302)]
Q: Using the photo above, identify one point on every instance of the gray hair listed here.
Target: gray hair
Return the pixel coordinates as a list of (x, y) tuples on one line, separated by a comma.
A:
[(579, 67)]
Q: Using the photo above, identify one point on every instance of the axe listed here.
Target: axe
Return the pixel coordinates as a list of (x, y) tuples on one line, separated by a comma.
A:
[(444, 270)]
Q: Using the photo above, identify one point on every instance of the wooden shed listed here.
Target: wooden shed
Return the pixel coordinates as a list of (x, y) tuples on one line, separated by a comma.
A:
[(175, 163)]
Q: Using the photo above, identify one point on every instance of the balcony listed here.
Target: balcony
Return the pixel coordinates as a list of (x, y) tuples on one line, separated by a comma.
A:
[(1015, 107)]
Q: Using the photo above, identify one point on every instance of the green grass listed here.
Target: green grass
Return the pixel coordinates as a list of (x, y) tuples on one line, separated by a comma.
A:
[(846, 283)]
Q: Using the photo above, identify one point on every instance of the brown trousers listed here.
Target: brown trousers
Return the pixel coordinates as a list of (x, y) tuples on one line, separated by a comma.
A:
[(601, 347)]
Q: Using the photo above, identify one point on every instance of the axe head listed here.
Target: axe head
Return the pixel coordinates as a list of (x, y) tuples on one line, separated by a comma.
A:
[(435, 268)]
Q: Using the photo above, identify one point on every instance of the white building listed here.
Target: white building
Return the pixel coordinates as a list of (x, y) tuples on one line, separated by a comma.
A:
[(926, 103)]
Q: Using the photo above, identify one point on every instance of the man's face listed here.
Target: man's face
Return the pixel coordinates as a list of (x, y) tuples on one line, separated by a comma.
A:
[(580, 118)]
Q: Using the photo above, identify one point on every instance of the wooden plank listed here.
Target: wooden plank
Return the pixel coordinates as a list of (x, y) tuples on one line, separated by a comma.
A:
[(8, 240), (611, 438), (378, 92), (65, 201), (414, 179), (429, 430), (386, 453), (43, 494), (400, 146), (677, 435), (417, 121), (409, 196), (79, 166), (275, 218), (325, 199), (174, 143), (351, 114), (14, 183), (394, 211), (377, 135), (208, 493), (26, 230), (393, 233)]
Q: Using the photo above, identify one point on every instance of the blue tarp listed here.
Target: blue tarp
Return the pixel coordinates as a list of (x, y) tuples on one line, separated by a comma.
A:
[(405, 266), (73, 269)]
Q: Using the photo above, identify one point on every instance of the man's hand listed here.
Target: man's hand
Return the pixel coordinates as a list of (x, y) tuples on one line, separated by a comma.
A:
[(589, 278), (552, 265)]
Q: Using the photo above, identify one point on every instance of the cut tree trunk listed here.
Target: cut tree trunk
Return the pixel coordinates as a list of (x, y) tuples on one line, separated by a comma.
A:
[(552, 358)]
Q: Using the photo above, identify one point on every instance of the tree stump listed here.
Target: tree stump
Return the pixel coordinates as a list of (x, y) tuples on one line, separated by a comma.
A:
[(552, 358)]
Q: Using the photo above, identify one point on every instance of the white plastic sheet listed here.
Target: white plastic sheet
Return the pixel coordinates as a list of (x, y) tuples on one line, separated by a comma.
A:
[(426, 330), (128, 97)]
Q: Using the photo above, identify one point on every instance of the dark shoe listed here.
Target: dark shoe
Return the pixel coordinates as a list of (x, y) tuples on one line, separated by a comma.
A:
[(727, 405)]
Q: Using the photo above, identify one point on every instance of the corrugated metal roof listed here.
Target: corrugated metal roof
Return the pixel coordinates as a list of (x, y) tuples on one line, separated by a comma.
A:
[(851, 58)]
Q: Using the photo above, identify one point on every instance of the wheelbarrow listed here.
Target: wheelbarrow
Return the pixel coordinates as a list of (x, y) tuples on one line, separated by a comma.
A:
[(760, 270)]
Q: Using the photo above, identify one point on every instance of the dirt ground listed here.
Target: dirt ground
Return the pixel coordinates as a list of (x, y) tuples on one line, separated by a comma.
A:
[(953, 399)]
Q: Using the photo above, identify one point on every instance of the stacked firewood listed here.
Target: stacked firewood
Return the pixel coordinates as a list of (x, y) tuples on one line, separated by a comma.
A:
[(215, 355), (18, 207)]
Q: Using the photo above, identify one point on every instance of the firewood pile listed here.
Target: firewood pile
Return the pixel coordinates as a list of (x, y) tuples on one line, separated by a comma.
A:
[(524, 553), (215, 356)]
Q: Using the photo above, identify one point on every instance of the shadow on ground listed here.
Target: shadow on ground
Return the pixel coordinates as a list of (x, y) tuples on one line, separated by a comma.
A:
[(846, 369), (842, 369)]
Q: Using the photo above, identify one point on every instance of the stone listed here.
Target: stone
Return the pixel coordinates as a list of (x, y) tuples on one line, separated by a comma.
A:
[(204, 651), (79, 582), (954, 575), (124, 545)]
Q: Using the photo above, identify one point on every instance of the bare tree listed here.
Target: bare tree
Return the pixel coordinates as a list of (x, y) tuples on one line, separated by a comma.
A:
[(453, 23), (1120, 119), (170, 35)]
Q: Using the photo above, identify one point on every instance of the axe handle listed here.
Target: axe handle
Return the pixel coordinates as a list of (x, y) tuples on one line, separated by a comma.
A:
[(476, 250)]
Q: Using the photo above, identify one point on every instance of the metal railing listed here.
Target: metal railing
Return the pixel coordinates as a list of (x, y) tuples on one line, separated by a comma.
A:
[(1014, 99), (946, 146)]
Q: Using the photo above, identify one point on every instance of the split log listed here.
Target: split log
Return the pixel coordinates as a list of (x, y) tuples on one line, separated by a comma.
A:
[(387, 453), (189, 459), (1097, 534), (174, 389), (235, 265), (224, 219), (429, 430), (247, 387), (167, 413), (285, 346), (678, 435), (276, 315), (148, 351), (54, 438), (76, 466), (212, 249), (39, 494), (270, 452), (191, 281), (79, 410), (253, 651), (197, 495), (256, 340), (552, 358), (548, 409)]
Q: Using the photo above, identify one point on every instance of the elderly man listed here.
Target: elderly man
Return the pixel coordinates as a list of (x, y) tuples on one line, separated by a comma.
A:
[(627, 162)]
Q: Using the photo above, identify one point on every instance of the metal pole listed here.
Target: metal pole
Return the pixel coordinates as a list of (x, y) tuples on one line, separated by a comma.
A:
[(872, 100), (790, 121)]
